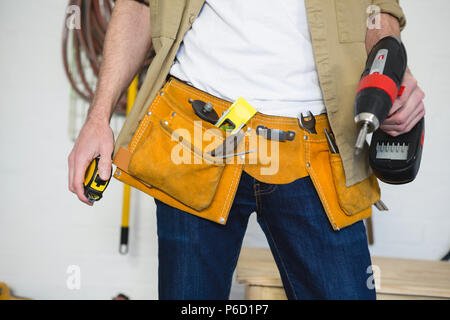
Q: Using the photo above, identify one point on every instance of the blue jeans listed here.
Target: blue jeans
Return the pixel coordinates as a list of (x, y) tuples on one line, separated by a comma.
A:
[(197, 257)]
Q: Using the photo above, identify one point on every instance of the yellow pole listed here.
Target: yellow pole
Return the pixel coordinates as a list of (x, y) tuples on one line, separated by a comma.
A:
[(123, 249)]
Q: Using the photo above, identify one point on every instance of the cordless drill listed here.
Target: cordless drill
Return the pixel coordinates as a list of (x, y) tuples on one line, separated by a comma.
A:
[(394, 160)]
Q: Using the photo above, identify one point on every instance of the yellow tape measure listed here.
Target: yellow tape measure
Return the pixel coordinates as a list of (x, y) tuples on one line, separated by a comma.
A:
[(93, 184)]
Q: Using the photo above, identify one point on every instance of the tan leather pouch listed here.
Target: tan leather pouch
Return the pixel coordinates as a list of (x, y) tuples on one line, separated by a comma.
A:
[(343, 205), (172, 158), (358, 197), (167, 158)]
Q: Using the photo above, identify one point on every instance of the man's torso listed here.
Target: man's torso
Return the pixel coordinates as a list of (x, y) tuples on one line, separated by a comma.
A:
[(255, 50)]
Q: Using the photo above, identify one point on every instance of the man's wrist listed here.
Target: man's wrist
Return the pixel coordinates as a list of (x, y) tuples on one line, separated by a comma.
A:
[(100, 114), (389, 26), (102, 106)]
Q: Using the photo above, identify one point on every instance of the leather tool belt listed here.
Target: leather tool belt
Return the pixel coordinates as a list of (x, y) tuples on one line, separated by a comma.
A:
[(168, 158)]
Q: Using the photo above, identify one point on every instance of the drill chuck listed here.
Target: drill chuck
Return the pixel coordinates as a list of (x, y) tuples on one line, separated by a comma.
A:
[(367, 123)]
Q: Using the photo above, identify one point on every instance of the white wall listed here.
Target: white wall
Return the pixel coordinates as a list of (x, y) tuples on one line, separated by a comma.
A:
[(43, 229), (418, 224)]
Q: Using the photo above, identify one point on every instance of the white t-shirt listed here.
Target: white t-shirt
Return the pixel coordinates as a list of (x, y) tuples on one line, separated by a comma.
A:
[(256, 49)]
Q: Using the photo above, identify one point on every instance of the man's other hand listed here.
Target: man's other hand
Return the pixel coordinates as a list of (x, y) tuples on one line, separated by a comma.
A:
[(96, 139), (407, 109)]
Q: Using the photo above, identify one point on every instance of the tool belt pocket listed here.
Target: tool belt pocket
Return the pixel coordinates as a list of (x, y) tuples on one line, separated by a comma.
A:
[(172, 157), (343, 205), (356, 198)]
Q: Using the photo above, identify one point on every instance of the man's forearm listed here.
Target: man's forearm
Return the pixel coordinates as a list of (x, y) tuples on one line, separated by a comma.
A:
[(389, 26), (127, 43)]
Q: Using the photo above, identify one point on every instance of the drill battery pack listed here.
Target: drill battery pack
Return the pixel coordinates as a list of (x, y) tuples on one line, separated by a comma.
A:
[(396, 160)]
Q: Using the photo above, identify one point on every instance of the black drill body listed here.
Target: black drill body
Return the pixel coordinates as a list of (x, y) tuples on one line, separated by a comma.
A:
[(394, 160), (388, 58)]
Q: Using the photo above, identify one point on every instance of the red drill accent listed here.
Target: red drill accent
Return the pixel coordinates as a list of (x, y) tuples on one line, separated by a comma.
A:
[(380, 81), (423, 138)]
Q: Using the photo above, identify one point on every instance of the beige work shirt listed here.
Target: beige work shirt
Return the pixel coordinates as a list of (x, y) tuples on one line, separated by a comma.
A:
[(338, 29)]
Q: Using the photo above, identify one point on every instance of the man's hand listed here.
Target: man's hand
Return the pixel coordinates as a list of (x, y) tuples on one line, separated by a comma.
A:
[(407, 109), (96, 139)]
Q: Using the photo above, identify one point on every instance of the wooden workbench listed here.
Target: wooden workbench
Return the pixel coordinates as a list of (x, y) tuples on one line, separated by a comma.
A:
[(400, 278)]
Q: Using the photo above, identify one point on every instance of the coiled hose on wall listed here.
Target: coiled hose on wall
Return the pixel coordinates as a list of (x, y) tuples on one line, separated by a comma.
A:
[(86, 41)]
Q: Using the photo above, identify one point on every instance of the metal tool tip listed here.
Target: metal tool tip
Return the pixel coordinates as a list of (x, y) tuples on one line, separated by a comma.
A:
[(359, 145)]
